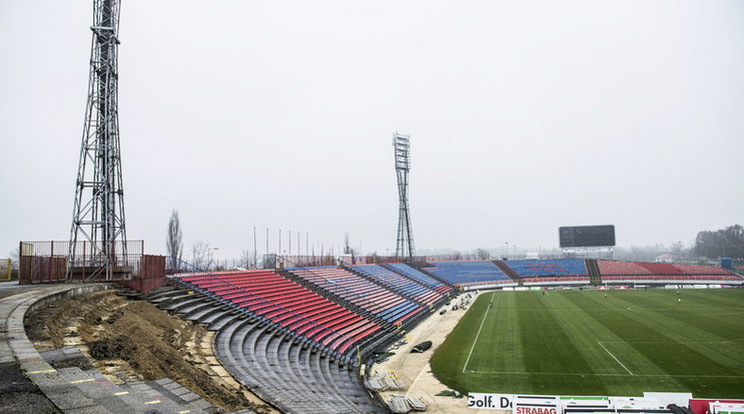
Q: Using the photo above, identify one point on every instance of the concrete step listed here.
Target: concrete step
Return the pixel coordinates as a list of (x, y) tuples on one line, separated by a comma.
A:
[(221, 321), (179, 302), (181, 395), (208, 308), (105, 394), (69, 356), (161, 396), (164, 296), (155, 401)]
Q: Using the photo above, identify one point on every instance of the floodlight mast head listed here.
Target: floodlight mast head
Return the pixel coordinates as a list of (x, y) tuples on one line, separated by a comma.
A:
[(404, 244), (402, 146)]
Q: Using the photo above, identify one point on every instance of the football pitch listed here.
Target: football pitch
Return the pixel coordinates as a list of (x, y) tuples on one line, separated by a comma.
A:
[(581, 343)]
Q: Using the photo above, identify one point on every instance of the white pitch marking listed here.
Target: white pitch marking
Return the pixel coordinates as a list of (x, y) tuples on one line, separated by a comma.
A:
[(615, 358), (592, 374), (476, 336)]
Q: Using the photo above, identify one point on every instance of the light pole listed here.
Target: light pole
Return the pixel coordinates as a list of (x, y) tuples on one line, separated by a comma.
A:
[(211, 257)]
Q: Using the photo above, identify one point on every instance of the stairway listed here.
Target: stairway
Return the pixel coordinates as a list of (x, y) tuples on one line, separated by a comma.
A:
[(595, 278), (511, 274)]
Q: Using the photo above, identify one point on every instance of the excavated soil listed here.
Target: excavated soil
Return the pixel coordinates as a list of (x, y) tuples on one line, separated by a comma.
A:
[(131, 340)]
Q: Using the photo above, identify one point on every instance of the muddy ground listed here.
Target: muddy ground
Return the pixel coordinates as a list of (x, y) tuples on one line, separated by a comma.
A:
[(131, 340)]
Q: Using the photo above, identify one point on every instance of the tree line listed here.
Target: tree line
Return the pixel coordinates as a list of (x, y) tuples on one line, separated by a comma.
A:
[(727, 242)]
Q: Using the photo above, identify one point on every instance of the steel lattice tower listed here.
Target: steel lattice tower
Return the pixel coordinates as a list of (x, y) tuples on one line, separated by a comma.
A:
[(98, 215), (404, 245)]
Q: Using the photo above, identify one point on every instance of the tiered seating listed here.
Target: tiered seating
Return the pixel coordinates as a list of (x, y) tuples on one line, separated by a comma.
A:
[(558, 270), (469, 273), (400, 284), (276, 365), (390, 307), (702, 270), (613, 268), (647, 271), (288, 305), (419, 276), (287, 374), (661, 268)]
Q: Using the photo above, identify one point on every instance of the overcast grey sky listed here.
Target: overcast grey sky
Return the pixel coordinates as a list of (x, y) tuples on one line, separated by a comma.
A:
[(524, 116)]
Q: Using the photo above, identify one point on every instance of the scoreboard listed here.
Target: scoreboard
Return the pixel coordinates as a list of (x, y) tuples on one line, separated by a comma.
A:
[(587, 236)]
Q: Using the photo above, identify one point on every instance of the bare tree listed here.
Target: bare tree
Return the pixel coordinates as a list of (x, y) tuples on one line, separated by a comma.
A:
[(347, 248), (678, 250), (218, 265), (174, 241), (255, 260), (14, 257), (727, 242), (482, 254), (200, 255), (246, 259)]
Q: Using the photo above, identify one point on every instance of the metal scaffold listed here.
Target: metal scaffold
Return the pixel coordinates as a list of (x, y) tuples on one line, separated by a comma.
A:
[(98, 242), (404, 248)]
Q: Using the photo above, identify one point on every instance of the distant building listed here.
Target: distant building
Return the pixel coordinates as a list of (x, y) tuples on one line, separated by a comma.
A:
[(665, 258)]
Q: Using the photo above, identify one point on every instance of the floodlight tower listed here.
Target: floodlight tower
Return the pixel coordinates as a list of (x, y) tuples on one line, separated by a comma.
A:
[(98, 214), (404, 245)]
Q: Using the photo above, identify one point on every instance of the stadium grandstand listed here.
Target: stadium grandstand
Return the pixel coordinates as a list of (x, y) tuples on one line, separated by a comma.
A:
[(307, 339), (539, 271), (306, 330), (400, 284), (468, 273), (616, 271), (535, 272), (304, 339), (353, 289)]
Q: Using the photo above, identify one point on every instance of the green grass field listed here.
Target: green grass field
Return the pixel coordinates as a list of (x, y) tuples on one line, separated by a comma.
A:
[(579, 343)]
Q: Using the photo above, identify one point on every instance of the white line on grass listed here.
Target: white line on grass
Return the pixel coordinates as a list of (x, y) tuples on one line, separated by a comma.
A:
[(464, 367), (727, 341), (615, 358), (594, 374)]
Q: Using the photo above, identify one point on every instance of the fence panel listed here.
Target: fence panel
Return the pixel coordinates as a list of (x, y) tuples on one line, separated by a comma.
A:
[(5, 269)]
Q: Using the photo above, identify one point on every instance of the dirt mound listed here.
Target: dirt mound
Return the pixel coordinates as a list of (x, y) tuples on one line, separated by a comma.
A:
[(120, 347), (133, 340)]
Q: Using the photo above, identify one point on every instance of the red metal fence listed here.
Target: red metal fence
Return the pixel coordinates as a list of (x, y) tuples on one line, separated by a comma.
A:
[(151, 274), (48, 262)]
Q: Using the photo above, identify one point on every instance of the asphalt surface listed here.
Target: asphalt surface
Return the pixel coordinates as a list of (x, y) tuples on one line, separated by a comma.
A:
[(17, 393)]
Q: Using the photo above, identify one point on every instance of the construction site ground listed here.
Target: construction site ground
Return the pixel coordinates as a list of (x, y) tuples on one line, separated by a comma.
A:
[(131, 340)]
